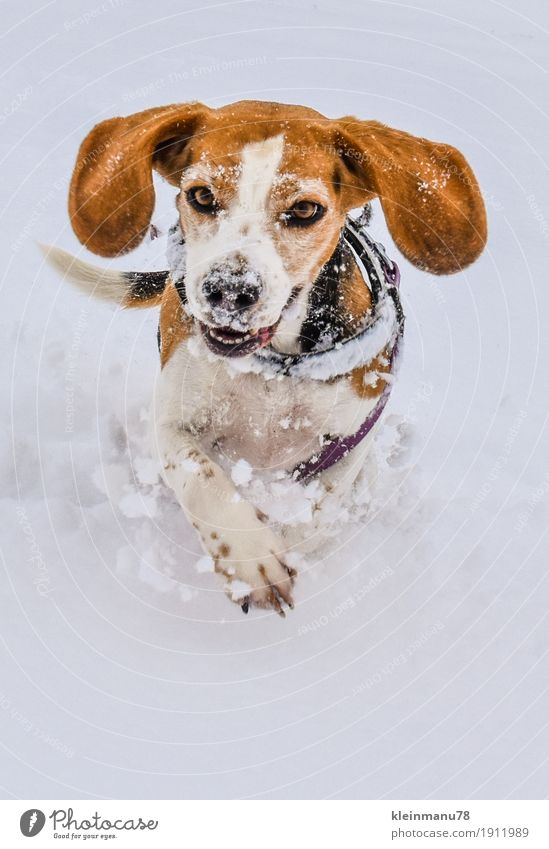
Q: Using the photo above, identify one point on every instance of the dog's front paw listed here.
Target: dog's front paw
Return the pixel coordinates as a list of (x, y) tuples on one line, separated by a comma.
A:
[(264, 582), (254, 567)]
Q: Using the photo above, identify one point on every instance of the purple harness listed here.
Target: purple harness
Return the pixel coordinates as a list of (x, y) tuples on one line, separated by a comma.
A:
[(383, 330), (371, 257), (336, 448)]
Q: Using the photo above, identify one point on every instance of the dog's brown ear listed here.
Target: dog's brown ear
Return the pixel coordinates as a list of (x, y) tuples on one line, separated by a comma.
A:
[(111, 197), (432, 202)]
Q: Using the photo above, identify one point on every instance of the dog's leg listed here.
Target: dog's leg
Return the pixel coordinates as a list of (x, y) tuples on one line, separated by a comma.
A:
[(243, 549)]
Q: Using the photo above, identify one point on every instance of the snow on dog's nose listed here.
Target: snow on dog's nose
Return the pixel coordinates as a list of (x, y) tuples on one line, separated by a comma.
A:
[(231, 288)]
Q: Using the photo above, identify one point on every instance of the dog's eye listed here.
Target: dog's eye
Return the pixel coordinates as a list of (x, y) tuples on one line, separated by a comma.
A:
[(303, 213), (202, 199)]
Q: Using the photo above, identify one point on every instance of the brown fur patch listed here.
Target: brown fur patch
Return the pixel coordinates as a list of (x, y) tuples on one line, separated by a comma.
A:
[(356, 299), (222, 571), (430, 197), (135, 302), (360, 377), (111, 198), (175, 324)]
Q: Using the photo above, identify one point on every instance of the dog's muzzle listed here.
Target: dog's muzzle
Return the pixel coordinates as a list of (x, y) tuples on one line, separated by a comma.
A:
[(231, 290), (227, 342)]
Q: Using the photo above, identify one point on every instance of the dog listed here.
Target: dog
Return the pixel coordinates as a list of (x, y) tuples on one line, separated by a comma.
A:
[(279, 318)]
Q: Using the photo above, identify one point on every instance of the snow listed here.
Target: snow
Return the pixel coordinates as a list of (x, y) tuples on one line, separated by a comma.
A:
[(239, 590), (241, 472), (176, 253), (415, 662), (343, 356), (205, 564)]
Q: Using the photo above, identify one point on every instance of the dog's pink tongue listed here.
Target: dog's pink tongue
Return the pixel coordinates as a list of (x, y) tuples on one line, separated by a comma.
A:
[(265, 335)]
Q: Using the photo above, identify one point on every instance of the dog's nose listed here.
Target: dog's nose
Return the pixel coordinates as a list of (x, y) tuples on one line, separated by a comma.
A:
[(231, 288)]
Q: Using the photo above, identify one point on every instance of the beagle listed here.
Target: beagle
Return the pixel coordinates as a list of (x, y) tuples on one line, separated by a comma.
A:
[(279, 317)]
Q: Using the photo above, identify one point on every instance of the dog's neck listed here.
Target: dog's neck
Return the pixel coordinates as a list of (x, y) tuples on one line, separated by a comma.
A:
[(287, 339), (322, 311), (327, 311)]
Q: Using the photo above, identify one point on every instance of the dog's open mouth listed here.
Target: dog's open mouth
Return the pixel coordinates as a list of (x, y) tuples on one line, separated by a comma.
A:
[(235, 343)]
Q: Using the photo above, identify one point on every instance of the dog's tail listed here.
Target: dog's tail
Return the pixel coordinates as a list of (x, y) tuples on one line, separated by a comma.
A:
[(126, 288)]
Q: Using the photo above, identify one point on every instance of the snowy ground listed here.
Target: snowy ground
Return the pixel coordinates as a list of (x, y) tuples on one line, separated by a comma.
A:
[(415, 663)]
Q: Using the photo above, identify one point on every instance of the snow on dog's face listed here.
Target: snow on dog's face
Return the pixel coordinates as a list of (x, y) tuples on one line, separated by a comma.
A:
[(263, 193), (258, 226)]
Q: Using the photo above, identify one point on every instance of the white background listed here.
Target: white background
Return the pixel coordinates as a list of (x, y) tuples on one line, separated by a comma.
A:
[(415, 664), (236, 824)]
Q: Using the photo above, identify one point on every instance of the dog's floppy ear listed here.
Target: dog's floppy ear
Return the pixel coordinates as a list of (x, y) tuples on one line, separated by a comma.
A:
[(111, 197), (432, 202)]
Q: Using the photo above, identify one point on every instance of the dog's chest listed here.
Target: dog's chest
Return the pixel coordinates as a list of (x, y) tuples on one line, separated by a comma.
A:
[(272, 423)]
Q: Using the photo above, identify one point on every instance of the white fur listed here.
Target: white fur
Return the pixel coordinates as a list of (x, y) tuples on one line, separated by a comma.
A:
[(243, 229), (108, 285), (242, 547), (207, 417), (218, 401), (289, 329)]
